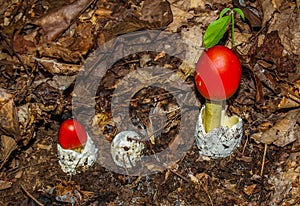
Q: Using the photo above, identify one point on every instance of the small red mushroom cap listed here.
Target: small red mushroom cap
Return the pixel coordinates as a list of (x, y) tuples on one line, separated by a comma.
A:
[(72, 135), (218, 73)]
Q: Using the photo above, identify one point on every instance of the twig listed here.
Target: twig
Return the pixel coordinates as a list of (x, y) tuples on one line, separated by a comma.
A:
[(199, 182), (32, 197), (207, 193), (263, 161), (177, 173), (187, 180), (245, 145)]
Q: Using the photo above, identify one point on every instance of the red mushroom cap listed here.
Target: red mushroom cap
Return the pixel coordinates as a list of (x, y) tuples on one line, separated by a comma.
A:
[(72, 135), (218, 73)]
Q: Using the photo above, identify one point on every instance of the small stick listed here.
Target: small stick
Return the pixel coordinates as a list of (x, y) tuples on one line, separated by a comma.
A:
[(245, 145), (263, 161), (178, 174), (32, 197)]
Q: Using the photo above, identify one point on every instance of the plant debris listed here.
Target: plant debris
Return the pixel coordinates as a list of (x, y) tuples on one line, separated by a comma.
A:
[(45, 45)]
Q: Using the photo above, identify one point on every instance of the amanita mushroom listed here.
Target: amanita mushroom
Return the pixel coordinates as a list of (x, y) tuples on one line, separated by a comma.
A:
[(217, 77), (75, 147), (126, 149)]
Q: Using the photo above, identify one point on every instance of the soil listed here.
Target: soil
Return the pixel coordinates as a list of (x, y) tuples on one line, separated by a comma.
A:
[(129, 65)]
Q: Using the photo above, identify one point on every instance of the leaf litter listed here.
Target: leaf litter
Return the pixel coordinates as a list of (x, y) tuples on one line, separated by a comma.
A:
[(38, 68)]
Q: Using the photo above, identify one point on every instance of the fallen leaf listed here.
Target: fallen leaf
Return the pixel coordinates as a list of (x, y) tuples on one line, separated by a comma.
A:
[(156, 12), (289, 35), (48, 27), (286, 182), (282, 133), (8, 145), (268, 8), (9, 124), (44, 147), (180, 17), (251, 13), (55, 67), (292, 98), (249, 189), (5, 185)]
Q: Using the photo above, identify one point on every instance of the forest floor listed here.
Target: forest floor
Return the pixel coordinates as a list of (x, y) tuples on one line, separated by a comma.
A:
[(85, 58)]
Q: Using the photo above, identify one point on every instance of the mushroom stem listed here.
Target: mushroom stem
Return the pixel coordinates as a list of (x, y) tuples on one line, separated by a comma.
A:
[(212, 115)]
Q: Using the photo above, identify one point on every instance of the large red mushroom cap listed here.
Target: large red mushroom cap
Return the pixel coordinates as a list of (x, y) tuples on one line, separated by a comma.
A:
[(72, 135), (218, 73)]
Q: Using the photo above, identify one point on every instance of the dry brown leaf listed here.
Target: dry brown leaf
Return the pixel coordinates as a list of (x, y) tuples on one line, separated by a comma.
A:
[(55, 67), (251, 13), (153, 14), (61, 82), (48, 27), (53, 24), (248, 190), (9, 124), (8, 145), (5, 184), (192, 37), (286, 182), (104, 12), (292, 99), (180, 17), (44, 147), (269, 7), (154, 167), (282, 133), (289, 35), (156, 12)]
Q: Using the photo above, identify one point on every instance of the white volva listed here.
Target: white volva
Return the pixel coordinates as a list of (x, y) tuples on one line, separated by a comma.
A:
[(70, 159), (221, 141), (126, 149)]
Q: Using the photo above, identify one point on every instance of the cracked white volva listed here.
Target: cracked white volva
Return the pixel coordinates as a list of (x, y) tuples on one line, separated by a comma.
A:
[(69, 160), (221, 141), (126, 149)]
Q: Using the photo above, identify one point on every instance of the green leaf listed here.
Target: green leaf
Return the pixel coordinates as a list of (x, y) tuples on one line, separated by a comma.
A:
[(240, 12), (224, 11), (215, 31)]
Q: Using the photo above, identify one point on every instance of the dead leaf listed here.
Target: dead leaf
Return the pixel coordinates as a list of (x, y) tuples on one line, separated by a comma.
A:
[(48, 27), (8, 145), (282, 133), (54, 67), (154, 14), (54, 23), (192, 37), (103, 12), (157, 12), (154, 167), (251, 13), (62, 82), (265, 77), (268, 9), (9, 124), (5, 185), (180, 17), (26, 117), (289, 35), (292, 98), (271, 48), (249, 189), (286, 182), (44, 147)]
